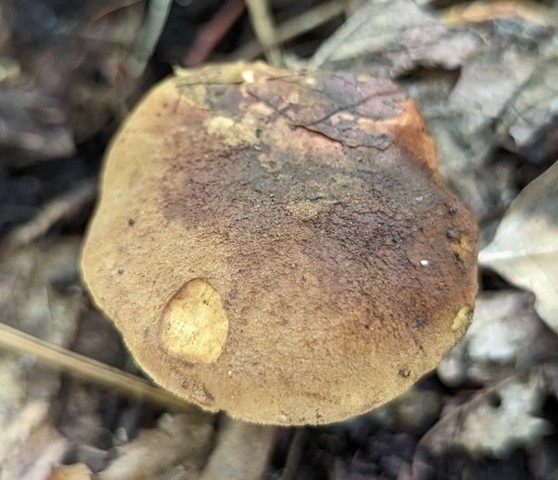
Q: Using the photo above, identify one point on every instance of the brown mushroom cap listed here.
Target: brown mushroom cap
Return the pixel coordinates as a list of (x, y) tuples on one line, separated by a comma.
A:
[(280, 246)]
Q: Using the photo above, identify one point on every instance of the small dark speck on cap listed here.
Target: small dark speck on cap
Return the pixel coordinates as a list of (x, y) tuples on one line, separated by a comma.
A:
[(131, 221), (120, 271), (420, 323)]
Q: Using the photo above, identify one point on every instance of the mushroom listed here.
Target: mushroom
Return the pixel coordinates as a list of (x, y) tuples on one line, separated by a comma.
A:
[(280, 245)]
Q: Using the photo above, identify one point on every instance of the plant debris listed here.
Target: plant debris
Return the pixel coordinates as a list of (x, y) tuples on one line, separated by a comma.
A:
[(484, 77)]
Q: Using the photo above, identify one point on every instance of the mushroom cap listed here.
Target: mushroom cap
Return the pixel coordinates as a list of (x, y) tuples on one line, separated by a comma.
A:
[(280, 245)]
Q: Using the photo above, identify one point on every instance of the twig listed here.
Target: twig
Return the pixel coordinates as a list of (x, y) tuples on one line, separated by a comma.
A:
[(212, 32), (262, 23), (57, 209), (149, 35), (86, 368), (295, 27)]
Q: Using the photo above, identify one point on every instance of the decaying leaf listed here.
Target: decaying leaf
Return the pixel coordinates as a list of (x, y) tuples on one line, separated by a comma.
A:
[(66, 86), (525, 248), (530, 123), (414, 411), (179, 444), (506, 335), (493, 421), (31, 446), (394, 37), (32, 300), (33, 123), (78, 471)]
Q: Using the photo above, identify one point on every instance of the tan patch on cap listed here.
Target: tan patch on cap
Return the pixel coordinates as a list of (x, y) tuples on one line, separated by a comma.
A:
[(462, 320), (462, 246), (194, 323)]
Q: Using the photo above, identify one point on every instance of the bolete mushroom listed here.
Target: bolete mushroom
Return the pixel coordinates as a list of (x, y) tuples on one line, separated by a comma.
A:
[(280, 245)]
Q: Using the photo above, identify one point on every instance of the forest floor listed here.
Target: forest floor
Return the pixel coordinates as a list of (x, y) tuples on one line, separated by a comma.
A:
[(484, 76)]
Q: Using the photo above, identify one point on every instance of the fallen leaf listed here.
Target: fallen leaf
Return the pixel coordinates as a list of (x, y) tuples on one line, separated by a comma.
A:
[(492, 422), (525, 247), (31, 446), (395, 37), (506, 335), (30, 301), (529, 125), (78, 471), (179, 445)]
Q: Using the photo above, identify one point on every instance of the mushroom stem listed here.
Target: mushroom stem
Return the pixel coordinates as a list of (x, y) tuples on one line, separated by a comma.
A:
[(242, 451)]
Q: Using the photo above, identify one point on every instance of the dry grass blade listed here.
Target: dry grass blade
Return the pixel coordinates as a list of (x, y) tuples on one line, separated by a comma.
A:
[(157, 15), (262, 22), (213, 32), (86, 368), (295, 27)]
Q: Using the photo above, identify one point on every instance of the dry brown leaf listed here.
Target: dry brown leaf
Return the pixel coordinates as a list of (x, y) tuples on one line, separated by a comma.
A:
[(506, 335), (56, 98), (529, 124), (394, 37), (30, 300), (525, 247), (34, 124), (484, 11), (78, 471), (35, 289), (492, 422), (177, 447), (31, 446), (414, 411)]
